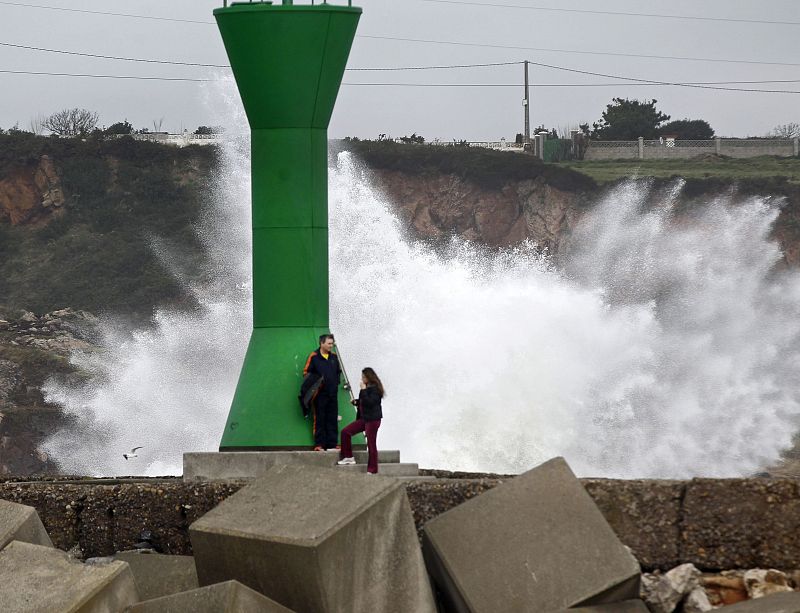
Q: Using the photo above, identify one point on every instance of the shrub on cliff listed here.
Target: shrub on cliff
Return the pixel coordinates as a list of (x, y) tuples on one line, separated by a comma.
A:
[(96, 253), (485, 167)]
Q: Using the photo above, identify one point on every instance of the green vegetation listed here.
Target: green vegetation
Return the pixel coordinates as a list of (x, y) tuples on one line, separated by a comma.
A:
[(626, 119), (31, 357), (97, 254), (773, 170), (487, 168), (688, 129)]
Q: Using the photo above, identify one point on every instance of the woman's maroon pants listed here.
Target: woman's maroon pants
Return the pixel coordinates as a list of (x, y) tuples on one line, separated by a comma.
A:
[(370, 428)]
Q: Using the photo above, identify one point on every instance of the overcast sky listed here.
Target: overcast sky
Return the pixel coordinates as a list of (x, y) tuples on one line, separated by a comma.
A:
[(751, 52)]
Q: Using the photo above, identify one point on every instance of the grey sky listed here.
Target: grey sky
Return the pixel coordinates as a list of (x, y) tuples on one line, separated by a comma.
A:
[(447, 113)]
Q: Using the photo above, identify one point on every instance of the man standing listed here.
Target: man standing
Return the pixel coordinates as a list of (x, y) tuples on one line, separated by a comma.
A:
[(325, 363)]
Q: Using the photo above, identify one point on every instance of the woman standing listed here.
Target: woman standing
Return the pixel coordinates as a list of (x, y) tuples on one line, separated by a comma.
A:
[(368, 420)]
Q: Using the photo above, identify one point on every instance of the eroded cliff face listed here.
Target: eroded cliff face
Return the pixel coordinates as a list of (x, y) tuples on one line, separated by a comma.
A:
[(31, 193), (32, 350), (437, 206)]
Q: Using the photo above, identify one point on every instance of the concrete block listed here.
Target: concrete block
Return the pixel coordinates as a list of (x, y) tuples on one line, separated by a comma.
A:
[(158, 575), (317, 540), (628, 606), (534, 543), (227, 597), (787, 602), (21, 523), (37, 578)]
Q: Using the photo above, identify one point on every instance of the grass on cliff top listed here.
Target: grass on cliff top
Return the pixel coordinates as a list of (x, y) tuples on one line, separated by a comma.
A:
[(484, 167), (775, 170)]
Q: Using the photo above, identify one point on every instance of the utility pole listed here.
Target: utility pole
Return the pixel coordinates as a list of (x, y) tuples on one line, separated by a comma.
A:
[(526, 102)]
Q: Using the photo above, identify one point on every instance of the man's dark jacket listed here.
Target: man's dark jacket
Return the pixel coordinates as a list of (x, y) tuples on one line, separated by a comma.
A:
[(329, 369)]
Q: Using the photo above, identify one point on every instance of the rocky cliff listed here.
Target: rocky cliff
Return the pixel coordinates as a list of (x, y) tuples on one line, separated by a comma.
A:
[(31, 192), (499, 199), (32, 350), (441, 205), (77, 221)]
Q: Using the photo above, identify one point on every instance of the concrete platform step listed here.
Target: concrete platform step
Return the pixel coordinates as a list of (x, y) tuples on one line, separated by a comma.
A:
[(394, 469), (227, 465), (385, 456)]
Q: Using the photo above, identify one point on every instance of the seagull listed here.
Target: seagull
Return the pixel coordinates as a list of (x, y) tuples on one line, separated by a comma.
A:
[(132, 454)]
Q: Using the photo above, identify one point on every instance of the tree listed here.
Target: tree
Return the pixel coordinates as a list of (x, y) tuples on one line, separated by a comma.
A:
[(121, 127), (787, 130), (37, 124), (71, 122), (413, 139), (688, 129), (626, 119), (204, 130)]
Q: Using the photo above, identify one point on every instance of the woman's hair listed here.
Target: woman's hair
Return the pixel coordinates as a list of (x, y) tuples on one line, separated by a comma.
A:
[(373, 379)]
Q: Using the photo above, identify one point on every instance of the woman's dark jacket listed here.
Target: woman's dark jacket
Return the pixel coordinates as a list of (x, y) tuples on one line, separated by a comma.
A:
[(369, 404)]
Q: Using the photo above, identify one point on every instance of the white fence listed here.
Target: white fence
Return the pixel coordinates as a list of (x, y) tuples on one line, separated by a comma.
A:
[(179, 140), (498, 145), (665, 149)]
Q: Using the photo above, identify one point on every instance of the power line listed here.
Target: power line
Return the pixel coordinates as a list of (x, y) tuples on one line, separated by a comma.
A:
[(105, 76), (461, 2), (517, 85), (428, 41), (391, 68), (638, 82), (107, 13), (112, 57), (615, 13), (404, 68), (654, 82), (622, 84), (176, 63), (520, 48)]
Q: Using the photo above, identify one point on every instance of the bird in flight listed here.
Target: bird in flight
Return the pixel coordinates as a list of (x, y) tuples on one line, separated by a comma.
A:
[(132, 454)]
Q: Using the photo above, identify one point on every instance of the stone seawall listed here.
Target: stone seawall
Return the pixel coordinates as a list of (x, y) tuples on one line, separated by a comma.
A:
[(713, 523)]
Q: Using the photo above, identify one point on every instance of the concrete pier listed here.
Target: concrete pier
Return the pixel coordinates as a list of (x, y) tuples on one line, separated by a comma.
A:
[(247, 465)]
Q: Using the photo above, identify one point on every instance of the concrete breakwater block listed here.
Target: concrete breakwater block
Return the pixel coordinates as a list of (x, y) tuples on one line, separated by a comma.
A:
[(787, 602), (227, 597), (534, 543), (317, 540), (158, 575), (21, 523), (37, 578)]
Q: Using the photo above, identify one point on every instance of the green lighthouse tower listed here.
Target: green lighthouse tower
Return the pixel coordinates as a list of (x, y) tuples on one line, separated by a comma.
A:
[(288, 61)]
